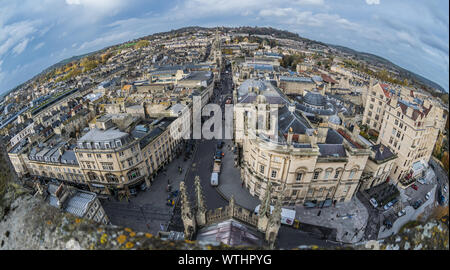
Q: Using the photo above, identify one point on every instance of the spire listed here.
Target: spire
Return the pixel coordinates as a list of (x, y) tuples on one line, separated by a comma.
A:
[(265, 204), (275, 218), (274, 223), (264, 210), (186, 214), (185, 205), (231, 205), (201, 208)]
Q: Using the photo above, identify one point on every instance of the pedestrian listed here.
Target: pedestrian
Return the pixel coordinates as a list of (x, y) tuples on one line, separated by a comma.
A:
[(242, 183)]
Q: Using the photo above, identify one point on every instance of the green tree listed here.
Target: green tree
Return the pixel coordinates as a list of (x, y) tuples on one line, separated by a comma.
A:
[(142, 43)]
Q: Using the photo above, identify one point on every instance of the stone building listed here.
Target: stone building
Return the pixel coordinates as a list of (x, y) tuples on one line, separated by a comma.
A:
[(379, 166), (80, 203), (303, 162), (408, 125)]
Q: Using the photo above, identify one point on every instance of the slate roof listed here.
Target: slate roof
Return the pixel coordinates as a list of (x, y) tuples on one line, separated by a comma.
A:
[(314, 98), (232, 233), (382, 155), (288, 119), (333, 137), (331, 150)]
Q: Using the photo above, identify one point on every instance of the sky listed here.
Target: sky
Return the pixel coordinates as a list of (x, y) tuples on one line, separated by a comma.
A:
[(37, 34)]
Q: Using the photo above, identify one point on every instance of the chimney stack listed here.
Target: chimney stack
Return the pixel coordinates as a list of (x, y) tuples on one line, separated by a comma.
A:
[(289, 136)]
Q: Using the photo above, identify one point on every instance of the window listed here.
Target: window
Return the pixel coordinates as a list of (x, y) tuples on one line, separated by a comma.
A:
[(336, 175), (89, 155), (299, 177), (273, 174), (261, 168), (316, 175), (108, 155), (352, 173), (133, 174), (79, 154), (99, 155), (294, 192), (327, 173)]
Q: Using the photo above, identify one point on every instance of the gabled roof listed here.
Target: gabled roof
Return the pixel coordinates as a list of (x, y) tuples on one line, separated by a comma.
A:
[(385, 89)]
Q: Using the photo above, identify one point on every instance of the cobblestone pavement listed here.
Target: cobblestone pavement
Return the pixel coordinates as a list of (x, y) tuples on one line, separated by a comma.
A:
[(231, 183), (148, 211), (348, 218)]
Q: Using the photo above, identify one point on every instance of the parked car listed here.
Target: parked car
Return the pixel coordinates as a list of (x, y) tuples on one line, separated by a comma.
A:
[(387, 223), (143, 187), (387, 206), (401, 213), (427, 196), (219, 154), (421, 181), (417, 204), (133, 191), (373, 202), (220, 145), (415, 187), (445, 189), (309, 204)]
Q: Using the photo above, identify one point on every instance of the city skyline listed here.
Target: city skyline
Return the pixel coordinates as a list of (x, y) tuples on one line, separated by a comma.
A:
[(34, 37)]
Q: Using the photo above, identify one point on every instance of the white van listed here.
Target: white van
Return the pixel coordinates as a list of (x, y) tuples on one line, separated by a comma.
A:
[(287, 215), (214, 179)]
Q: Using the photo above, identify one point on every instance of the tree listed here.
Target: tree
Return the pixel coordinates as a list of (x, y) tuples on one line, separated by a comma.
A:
[(445, 160), (142, 43)]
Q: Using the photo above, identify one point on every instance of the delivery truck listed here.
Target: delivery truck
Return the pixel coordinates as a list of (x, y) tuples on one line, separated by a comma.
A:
[(215, 173), (287, 215)]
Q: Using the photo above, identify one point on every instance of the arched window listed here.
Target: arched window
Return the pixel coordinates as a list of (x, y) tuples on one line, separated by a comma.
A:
[(316, 174), (299, 174), (92, 176), (111, 178), (353, 172), (133, 174), (327, 173), (338, 173)]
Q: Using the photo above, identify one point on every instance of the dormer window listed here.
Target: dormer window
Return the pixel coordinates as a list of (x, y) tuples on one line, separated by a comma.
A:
[(107, 146)]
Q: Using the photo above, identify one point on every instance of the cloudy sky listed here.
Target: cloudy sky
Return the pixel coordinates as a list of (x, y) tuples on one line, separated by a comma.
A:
[(36, 34)]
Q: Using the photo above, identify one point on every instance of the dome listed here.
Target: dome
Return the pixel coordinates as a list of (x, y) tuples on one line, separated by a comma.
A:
[(334, 119), (247, 86), (314, 99)]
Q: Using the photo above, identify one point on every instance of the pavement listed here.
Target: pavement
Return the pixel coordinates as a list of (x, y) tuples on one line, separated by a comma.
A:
[(411, 214), (348, 218), (147, 211), (230, 181), (408, 197)]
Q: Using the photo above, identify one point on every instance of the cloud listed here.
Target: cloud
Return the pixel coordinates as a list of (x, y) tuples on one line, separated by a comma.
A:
[(373, 2), (15, 36), (21, 46), (40, 45)]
